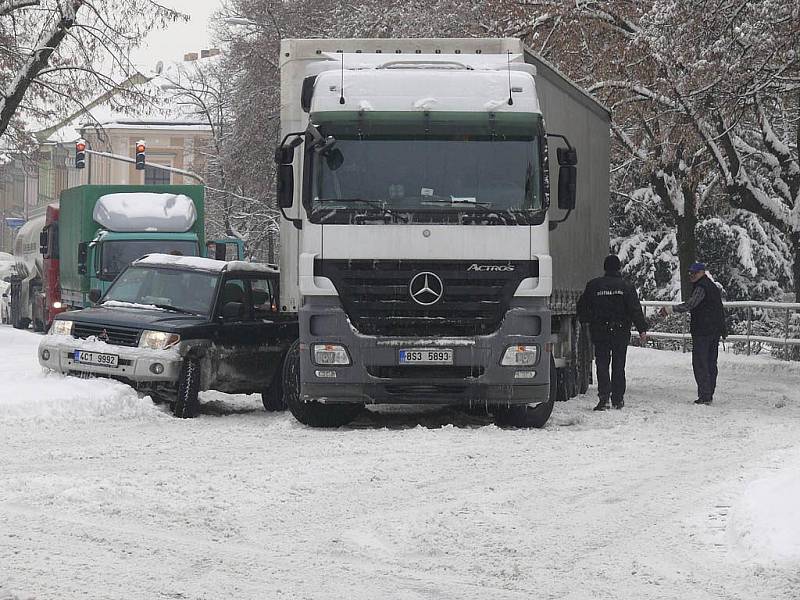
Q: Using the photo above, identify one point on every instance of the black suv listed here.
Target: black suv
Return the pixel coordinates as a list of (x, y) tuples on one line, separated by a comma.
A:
[(173, 326)]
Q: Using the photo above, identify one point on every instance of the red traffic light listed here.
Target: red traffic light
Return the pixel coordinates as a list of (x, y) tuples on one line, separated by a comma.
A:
[(80, 154), (140, 157)]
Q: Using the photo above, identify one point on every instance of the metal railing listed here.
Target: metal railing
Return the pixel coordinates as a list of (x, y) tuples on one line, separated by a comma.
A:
[(749, 338)]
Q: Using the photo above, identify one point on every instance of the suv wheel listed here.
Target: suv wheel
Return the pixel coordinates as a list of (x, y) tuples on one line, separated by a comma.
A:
[(313, 414), (272, 397), (186, 402)]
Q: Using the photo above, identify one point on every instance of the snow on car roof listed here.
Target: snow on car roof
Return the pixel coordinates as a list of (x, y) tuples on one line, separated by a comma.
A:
[(204, 264)]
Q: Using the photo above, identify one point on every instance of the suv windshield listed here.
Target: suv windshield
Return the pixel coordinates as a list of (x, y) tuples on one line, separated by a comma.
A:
[(183, 290), (117, 254)]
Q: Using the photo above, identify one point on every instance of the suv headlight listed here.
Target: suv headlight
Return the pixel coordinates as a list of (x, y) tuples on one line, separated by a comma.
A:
[(158, 340), (61, 327), (329, 354), (520, 356)]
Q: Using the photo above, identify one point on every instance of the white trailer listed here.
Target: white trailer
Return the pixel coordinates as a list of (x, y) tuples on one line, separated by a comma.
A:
[(419, 247)]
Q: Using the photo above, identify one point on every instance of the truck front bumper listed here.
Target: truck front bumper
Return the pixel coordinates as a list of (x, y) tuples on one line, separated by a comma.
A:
[(136, 365), (475, 376)]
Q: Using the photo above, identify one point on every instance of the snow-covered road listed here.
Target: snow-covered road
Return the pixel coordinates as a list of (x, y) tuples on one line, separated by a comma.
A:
[(104, 495)]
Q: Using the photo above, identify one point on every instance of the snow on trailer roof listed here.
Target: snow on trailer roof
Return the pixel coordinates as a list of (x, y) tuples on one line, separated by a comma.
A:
[(204, 264)]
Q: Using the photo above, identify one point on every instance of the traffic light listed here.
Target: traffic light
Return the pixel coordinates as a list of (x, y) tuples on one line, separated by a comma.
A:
[(80, 154), (140, 149)]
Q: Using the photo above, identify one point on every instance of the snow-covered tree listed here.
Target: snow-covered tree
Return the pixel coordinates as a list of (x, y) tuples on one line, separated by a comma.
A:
[(58, 55)]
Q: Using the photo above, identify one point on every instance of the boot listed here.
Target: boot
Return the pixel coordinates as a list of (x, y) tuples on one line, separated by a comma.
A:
[(617, 403), (604, 404), (703, 401)]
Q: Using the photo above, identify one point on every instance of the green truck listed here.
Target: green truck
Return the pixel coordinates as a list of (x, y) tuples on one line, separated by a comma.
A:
[(96, 231)]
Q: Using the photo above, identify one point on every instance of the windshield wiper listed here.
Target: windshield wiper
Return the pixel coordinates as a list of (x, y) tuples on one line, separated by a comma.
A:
[(175, 309), (484, 206), (379, 204), (375, 203)]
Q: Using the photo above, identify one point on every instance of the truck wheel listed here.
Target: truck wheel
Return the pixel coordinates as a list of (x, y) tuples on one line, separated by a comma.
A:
[(584, 359), (313, 414), (272, 397), (186, 402), (529, 416)]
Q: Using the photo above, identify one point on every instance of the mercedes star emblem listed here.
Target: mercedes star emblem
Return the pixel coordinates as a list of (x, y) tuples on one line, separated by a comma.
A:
[(426, 288)]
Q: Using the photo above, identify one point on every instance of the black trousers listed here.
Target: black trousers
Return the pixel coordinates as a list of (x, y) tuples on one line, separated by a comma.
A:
[(705, 350), (612, 351)]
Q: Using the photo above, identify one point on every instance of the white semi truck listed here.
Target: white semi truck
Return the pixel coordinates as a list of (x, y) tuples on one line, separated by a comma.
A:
[(437, 230)]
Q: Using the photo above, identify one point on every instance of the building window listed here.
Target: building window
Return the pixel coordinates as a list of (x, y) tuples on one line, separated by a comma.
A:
[(153, 176)]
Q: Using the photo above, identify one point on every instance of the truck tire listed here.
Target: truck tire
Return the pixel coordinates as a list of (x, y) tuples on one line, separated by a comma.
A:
[(313, 414), (272, 397), (584, 359), (186, 402), (525, 416)]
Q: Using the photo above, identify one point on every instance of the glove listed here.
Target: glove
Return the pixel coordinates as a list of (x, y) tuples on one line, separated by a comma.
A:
[(643, 338)]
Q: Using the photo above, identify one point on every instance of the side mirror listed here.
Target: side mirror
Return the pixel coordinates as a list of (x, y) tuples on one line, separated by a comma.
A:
[(83, 253), (567, 157), (232, 311), (94, 295), (567, 180), (5, 295), (334, 159), (284, 154), (285, 186), (43, 242)]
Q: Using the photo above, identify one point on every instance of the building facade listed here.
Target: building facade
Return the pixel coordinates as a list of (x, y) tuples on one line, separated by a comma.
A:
[(29, 184)]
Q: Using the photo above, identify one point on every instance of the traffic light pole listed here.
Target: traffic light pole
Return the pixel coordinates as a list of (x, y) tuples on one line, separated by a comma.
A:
[(152, 165)]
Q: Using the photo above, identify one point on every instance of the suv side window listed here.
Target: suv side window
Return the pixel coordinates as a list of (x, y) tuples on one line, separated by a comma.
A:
[(237, 289), (265, 302)]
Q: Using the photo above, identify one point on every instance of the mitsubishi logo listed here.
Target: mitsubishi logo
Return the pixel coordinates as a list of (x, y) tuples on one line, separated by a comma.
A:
[(426, 288), (103, 335)]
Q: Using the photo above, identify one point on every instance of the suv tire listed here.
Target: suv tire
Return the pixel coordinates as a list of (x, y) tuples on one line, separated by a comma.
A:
[(272, 397), (186, 403)]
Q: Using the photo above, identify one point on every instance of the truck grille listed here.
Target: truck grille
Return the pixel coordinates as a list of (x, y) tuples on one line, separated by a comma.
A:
[(466, 298), (121, 336)]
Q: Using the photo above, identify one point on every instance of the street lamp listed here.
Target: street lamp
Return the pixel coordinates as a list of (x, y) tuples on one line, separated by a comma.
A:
[(239, 21)]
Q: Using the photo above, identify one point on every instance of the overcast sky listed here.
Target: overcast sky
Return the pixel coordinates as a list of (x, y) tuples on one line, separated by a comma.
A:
[(172, 43)]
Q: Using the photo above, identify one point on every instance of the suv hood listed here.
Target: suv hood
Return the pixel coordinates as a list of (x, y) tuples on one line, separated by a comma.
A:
[(137, 318)]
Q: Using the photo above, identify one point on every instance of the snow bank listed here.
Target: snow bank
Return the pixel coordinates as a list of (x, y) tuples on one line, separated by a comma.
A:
[(766, 522), (43, 395)]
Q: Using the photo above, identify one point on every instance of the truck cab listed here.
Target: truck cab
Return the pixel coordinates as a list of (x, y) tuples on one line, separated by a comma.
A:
[(427, 254)]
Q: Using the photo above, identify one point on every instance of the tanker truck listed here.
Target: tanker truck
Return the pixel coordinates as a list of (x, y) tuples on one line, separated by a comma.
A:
[(26, 290), (427, 254)]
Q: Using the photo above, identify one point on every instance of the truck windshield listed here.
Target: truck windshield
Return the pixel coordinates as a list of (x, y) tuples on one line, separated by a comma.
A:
[(115, 255), (183, 290), (481, 176)]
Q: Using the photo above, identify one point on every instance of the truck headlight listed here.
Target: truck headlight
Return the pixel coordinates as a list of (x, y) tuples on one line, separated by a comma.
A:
[(329, 354), (60, 327), (158, 340), (520, 356)]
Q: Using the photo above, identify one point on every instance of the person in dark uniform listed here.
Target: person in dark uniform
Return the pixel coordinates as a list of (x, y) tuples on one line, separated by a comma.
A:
[(707, 326), (610, 304)]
